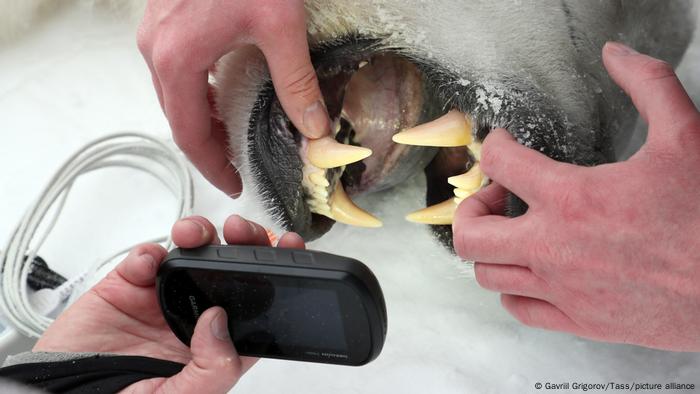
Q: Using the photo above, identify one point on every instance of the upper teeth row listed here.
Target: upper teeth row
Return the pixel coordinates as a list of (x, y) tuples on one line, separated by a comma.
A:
[(450, 130)]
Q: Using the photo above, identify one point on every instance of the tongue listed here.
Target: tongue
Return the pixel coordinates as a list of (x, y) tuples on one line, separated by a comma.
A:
[(381, 99)]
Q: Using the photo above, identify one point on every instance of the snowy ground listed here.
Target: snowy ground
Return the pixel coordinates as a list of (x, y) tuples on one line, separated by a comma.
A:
[(78, 76)]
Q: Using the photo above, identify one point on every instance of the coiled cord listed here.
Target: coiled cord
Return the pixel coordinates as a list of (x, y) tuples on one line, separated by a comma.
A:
[(26, 310)]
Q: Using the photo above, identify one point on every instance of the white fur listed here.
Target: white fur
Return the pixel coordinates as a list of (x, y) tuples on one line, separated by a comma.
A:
[(239, 78)]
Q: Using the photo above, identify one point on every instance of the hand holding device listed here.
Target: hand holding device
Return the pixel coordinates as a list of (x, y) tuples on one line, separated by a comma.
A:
[(121, 315)]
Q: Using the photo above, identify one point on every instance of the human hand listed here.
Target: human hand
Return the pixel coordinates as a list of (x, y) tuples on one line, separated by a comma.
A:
[(181, 40), (611, 252), (121, 315)]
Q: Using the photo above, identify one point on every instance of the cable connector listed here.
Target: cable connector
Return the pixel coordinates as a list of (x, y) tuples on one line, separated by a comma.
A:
[(43, 277)]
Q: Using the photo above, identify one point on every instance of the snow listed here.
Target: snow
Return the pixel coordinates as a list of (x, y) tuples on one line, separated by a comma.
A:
[(80, 76)]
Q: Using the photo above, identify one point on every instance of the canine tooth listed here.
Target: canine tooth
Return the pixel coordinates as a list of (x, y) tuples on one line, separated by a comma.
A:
[(441, 213), (470, 180), (326, 152), (362, 64), (452, 129), (344, 210), (319, 178)]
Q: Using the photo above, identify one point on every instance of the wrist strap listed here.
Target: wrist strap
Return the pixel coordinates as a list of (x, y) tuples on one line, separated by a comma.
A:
[(98, 373)]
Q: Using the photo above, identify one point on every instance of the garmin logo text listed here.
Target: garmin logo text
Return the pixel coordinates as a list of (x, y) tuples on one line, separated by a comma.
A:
[(195, 308)]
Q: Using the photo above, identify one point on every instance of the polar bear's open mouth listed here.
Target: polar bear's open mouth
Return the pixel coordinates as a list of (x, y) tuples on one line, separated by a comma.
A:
[(371, 96), (395, 114)]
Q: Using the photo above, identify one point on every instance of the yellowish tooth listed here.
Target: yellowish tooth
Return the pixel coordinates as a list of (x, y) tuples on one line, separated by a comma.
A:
[(322, 210), (316, 205), (320, 194), (470, 180), (326, 152), (475, 148), (441, 213), (319, 178), (336, 129), (452, 129), (344, 210), (462, 194)]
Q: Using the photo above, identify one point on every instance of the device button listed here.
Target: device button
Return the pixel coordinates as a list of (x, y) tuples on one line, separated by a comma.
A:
[(304, 258), (228, 253), (265, 255)]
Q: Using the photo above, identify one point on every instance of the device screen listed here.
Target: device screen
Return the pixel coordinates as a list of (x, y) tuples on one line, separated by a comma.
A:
[(274, 315), (273, 311)]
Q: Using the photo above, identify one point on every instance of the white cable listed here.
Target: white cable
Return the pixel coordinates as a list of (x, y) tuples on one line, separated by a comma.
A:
[(27, 311)]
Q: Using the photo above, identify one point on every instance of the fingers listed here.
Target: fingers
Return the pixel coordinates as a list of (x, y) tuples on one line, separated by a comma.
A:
[(653, 87), (527, 173), (510, 279), (215, 364), (481, 233), (283, 41), (490, 200), (537, 313), (495, 239), (140, 266), (474, 212), (200, 137), (179, 65), (238, 231), (196, 231), (193, 232), (291, 241)]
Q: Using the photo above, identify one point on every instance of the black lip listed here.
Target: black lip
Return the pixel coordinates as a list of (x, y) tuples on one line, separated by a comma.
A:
[(273, 151), (276, 166)]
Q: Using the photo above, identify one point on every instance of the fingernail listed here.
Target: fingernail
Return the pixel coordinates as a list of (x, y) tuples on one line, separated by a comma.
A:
[(505, 133), (252, 226), (219, 327), (316, 120), (197, 227), (619, 49), (147, 258)]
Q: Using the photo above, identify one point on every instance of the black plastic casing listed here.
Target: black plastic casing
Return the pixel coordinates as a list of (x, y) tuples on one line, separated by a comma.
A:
[(192, 280)]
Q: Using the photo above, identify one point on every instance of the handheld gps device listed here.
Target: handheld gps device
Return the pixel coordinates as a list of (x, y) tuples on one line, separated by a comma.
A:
[(281, 303)]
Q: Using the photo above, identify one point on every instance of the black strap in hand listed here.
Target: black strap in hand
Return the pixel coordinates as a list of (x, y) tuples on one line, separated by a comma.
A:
[(99, 373)]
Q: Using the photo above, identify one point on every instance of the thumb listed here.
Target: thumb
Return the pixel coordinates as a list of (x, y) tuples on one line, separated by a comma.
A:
[(654, 89), (293, 75), (215, 364)]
